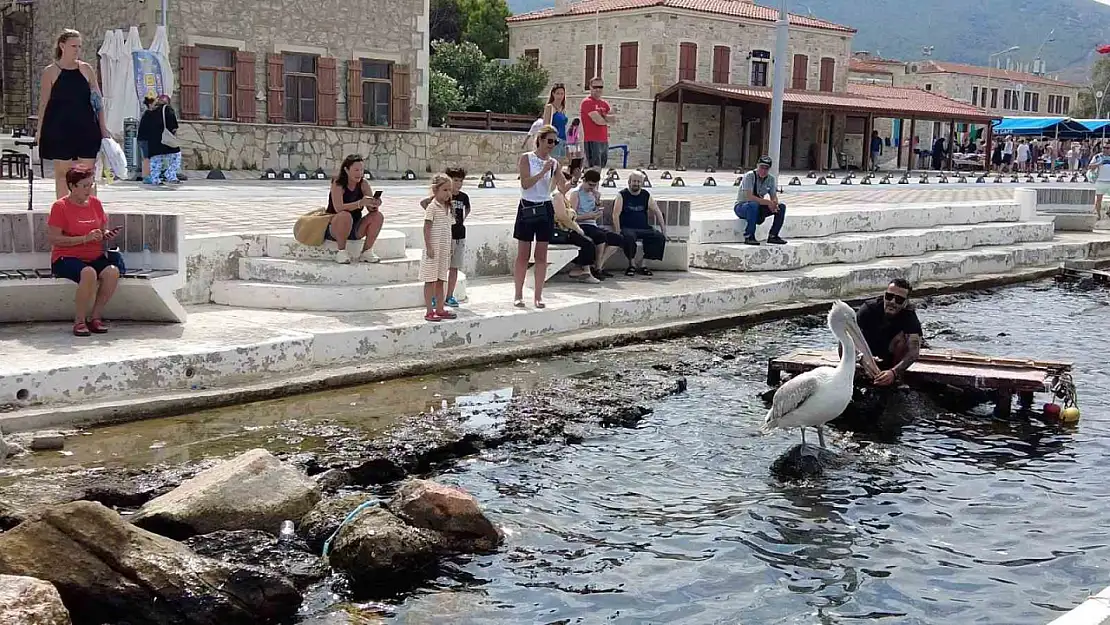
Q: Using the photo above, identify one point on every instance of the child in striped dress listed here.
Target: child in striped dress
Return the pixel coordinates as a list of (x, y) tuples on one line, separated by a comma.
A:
[(435, 264)]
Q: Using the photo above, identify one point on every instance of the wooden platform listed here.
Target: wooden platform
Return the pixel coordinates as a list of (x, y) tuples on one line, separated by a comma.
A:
[(1001, 377)]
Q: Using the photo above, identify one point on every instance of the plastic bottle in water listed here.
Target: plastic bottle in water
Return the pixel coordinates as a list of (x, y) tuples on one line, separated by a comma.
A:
[(287, 531), (148, 264)]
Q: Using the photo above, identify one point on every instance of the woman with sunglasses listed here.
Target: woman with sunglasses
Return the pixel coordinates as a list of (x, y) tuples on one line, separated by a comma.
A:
[(555, 114), (535, 215)]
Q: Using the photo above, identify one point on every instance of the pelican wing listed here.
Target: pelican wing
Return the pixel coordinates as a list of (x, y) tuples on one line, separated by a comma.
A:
[(790, 396)]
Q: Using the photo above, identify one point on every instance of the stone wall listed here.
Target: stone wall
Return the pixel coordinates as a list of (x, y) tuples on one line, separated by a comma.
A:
[(388, 30), (263, 146)]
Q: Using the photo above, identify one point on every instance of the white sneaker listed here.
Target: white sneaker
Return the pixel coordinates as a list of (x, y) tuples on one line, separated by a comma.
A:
[(368, 256), (342, 257)]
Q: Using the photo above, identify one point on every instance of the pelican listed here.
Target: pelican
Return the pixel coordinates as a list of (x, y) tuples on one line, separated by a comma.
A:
[(816, 397)]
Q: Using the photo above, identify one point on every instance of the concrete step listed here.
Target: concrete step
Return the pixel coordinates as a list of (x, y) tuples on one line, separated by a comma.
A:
[(390, 245), (864, 246), (329, 272), (324, 297), (724, 227)]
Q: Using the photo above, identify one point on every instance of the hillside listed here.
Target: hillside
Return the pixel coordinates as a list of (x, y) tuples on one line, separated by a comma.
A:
[(966, 31)]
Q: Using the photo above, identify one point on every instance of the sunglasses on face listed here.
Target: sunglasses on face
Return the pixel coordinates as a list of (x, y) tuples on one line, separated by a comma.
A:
[(551, 141), (597, 86), (893, 297)]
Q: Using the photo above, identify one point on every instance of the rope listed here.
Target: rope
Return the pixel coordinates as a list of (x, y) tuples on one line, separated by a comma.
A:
[(1064, 388), (351, 516)]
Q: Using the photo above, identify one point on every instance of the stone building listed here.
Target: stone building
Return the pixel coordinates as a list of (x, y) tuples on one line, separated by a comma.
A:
[(291, 84), (15, 63), (690, 80)]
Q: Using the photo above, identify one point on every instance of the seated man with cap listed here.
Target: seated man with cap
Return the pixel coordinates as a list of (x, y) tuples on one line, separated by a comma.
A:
[(757, 199)]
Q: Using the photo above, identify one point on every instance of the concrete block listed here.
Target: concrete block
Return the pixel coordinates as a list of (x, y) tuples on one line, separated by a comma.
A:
[(48, 441), (391, 244), (320, 272), (323, 297)]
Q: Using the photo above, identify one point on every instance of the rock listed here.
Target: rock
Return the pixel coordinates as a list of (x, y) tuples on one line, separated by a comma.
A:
[(378, 550), (10, 516), (104, 567), (332, 480), (289, 557), (796, 465), (429, 505), (322, 521), (48, 441), (252, 491), (30, 601)]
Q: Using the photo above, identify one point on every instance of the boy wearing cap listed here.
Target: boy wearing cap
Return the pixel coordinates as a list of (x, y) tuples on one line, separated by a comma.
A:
[(758, 198)]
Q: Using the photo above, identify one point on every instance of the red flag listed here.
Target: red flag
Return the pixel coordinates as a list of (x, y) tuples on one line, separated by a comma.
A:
[(1103, 49)]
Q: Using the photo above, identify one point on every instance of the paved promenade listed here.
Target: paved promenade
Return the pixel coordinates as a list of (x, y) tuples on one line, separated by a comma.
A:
[(211, 206)]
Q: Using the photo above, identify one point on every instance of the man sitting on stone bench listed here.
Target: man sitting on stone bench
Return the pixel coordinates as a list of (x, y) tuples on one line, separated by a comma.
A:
[(630, 219), (758, 197)]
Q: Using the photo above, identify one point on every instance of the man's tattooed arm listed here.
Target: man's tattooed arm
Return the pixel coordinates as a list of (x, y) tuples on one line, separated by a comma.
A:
[(913, 352)]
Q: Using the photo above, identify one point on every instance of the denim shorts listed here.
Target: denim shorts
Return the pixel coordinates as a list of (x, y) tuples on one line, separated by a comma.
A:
[(144, 149), (70, 268), (352, 236)]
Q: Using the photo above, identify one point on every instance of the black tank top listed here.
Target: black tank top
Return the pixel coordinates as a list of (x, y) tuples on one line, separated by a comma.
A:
[(349, 195)]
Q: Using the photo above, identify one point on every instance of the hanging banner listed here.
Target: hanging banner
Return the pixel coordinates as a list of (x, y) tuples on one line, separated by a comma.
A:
[(148, 74)]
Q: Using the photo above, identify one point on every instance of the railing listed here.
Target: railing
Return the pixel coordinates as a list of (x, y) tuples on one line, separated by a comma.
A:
[(489, 121)]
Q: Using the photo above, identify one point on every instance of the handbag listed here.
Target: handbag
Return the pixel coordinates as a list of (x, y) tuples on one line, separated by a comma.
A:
[(168, 138), (311, 226), (532, 212)]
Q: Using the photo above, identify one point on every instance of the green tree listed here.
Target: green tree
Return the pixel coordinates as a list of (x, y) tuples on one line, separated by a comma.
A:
[(484, 24), (462, 61), (1087, 106), (512, 88), (445, 21), (444, 96)]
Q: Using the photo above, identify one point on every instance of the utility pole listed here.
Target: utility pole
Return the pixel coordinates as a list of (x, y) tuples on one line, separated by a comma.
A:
[(778, 89)]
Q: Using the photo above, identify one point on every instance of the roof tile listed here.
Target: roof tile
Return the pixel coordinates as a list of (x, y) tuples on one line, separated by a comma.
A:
[(944, 67), (732, 8)]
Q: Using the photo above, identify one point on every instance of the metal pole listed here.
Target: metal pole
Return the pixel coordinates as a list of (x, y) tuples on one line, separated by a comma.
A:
[(782, 36), (165, 18)]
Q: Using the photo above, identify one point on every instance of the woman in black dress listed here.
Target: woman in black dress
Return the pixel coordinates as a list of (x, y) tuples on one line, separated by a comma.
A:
[(71, 111)]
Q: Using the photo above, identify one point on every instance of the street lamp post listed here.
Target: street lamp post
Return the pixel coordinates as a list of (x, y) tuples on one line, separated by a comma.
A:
[(990, 71), (778, 88)]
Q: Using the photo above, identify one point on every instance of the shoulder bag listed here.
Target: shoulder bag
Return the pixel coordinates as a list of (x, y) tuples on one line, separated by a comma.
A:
[(311, 226), (168, 138)]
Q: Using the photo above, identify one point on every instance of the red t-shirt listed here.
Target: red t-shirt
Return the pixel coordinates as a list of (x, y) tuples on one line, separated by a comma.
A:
[(592, 131), (77, 220)]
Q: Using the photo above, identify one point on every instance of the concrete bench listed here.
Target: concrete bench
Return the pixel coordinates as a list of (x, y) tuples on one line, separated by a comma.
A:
[(29, 293), (558, 259), (1072, 209), (676, 215)]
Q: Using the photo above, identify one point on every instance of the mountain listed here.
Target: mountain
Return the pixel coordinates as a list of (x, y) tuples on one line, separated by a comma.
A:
[(964, 31)]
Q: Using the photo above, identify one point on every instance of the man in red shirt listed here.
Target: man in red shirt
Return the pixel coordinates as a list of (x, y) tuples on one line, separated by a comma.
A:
[(596, 120)]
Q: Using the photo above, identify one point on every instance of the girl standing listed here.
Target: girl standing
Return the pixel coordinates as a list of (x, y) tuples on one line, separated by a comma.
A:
[(435, 264), (574, 139), (165, 160), (555, 114), (71, 111)]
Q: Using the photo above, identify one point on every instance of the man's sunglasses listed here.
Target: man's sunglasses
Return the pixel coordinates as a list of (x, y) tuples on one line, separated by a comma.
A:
[(892, 297), (597, 86)]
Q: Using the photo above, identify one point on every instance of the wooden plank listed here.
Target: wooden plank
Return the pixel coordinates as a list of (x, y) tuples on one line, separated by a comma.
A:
[(823, 357), (169, 233), (39, 232), (22, 240), (5, 234), (134, 232), (152, 232)]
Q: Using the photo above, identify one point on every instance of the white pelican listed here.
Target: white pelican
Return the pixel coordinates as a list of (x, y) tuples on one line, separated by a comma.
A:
[(816, 397)]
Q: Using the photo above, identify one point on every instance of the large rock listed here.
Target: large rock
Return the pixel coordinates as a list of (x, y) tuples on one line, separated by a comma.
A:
[(109, 571), (252, 491), (434, 506), (30, 601), (322, 521), (377, 549), (288, 557)]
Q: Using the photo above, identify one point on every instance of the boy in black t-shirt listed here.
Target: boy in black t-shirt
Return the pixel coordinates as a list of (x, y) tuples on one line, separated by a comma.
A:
[(460, 203)]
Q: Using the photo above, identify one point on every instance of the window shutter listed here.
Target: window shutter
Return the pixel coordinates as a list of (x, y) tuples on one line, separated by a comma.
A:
[(244, 87), (402, 110), (354, 93), (828, 71), (630, 51), (190, 83), (275, 89), (595, 56), (687, 61), (722, 64), (801, 72), (327, 86)]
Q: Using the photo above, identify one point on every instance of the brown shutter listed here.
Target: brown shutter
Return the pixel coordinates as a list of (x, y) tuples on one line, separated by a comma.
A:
[(190, 83), (800, 73), (722, 64), (244, 87), (828, 72), (275, 89), (326, 90), (402, 109), (627, 77), (354, 93), (687, 61), (595, 57)]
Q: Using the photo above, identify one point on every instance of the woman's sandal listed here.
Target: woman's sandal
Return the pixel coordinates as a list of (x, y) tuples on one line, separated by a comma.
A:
[(97, 326), (540, 304), (447, 314), (81, 329), (519, 303)]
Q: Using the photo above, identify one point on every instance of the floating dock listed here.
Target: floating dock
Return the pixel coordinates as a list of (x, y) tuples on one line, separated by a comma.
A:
[(1002, 378)]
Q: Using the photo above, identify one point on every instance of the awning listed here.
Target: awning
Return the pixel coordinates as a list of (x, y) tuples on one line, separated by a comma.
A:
[(1039, 126), (1095, 126)]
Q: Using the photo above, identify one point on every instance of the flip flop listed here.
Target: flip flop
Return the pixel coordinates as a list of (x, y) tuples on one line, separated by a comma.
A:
[(519, 303), (540, 304), (447, 314)]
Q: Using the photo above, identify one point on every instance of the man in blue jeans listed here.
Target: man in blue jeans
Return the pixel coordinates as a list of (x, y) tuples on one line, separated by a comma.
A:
[(758, 197)]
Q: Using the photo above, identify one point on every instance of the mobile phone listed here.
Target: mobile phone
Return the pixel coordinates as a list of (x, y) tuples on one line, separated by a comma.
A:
[(378, 194), (114, 231)]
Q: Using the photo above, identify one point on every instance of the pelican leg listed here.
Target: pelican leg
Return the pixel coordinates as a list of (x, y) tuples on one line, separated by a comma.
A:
[(803, 437), (821, 436)]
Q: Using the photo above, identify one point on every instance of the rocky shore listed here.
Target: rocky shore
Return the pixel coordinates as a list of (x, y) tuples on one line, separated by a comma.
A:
[(210, 542)]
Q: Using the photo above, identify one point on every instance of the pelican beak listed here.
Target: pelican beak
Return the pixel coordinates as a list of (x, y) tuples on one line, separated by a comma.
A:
[(856, 334)]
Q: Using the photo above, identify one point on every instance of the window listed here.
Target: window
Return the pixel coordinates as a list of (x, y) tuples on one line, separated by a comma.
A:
[(1051, 104), (1064, 108), (377, 92), (928, 86), (687, 61), (532, 54), (722, 64), (1036, 102), (217, 83), (800, 72), (685, 131), (975, 95), (629, 66), (828, 71), (300, 88), (1028, 104), (760, 61), (1006, 95), (594, 57), (994, 98)]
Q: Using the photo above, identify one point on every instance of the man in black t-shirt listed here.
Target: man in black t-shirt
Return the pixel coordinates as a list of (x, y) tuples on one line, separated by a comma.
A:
[(892, 330)]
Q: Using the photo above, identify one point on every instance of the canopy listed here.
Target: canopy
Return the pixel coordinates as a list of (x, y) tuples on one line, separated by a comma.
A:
[(1038, 126), (1094, 125)]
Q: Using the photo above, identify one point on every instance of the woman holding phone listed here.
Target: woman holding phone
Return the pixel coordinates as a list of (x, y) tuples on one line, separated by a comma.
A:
[(350, 195), (78, 232)]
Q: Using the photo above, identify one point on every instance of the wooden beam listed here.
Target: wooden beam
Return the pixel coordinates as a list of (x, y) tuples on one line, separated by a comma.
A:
[(678, 133), (901, 140), (989, 147), (911, 155), (951, 140), (654, 111), (721, 138), (868, 126)]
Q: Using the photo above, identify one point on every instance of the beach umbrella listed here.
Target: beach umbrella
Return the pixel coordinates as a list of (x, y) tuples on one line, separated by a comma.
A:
[(160, 48)]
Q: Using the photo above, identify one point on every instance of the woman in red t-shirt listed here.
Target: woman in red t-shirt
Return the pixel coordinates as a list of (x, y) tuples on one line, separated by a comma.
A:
[(78, 230)]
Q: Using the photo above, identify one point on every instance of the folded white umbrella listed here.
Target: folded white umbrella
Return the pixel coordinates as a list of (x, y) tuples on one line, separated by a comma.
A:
[(160, 47), (115, 157)]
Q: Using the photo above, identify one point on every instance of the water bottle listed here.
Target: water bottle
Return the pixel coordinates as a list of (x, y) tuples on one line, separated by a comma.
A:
[(148, 264), (287, 532)]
